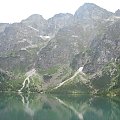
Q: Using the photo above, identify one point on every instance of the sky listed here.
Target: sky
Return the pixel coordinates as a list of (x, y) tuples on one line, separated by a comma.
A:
[(16, 10)]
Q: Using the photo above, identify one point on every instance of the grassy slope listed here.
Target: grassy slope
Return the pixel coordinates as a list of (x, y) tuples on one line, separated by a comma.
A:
[(105, 82)]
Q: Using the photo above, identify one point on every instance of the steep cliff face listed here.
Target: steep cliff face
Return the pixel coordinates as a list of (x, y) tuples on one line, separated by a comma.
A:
[(17, 37), (100, 59), (91, 11), (62, 48), (104, 48), (58, 21), (101, 65), (117, 13), (3, 26), (105, 60)]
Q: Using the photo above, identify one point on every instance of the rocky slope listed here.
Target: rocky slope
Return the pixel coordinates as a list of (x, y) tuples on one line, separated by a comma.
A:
[(56, 48), (101, 65), (100, 60), (91, 11), (57, 22)]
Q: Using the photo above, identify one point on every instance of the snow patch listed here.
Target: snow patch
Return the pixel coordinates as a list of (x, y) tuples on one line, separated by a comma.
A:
[(23, 49), (33, 28), (80, 69), (75, 36), (21, 41), (45, 37), (55, 47), (113, 18)]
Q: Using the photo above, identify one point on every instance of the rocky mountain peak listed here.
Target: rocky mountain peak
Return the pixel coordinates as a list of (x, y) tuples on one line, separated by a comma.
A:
[(34, 18), (58, 21), (62, 15), (89, 5), (117, 13), (91, 11), (36, 21)]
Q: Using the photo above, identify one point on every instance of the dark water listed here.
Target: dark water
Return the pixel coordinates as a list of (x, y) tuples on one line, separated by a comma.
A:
[(42, 107)]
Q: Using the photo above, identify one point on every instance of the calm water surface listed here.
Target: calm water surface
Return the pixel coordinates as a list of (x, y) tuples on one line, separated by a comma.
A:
[(44, 107)]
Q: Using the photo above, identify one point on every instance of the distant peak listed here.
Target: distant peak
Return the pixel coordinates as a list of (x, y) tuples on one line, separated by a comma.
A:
[(91, 11), (63, 14), (118, 10), (35, 16), (89, 4), (34, 21), (117, 13)]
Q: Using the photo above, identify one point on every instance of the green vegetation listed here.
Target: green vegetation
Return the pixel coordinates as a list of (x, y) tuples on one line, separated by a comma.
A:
[(108, 82), (115, 82), (73, 86), (105, 82), (3, 76), (49, 71), (36, 83)]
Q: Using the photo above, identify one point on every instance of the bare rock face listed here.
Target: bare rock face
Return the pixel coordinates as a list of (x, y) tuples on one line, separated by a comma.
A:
[(3, 26), (117, 13), (17, 37), (58, 21), (91, 11), (105, 48), (62, 48), (37, 22)]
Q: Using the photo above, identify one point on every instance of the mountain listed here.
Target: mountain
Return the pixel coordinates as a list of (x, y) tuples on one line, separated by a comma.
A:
[(102, 65), (3, 26), (91, 11), (117, 13), (65, 54), (36, 22), (58, 21)]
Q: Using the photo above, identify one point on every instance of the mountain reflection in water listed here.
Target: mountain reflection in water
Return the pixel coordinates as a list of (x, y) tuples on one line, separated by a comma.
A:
[(48, 107)]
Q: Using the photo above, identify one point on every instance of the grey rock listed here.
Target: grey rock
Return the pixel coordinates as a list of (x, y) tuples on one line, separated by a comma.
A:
[(91, 11)]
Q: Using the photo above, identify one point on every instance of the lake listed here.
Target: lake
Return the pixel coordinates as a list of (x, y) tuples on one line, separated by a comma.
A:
[(58, 107)]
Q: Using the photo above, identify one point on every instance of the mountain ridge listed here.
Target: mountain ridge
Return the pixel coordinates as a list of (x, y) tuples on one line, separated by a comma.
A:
[(56, 48)]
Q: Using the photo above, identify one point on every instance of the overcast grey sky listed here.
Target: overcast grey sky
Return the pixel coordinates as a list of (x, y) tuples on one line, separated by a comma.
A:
[(16, 10)]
